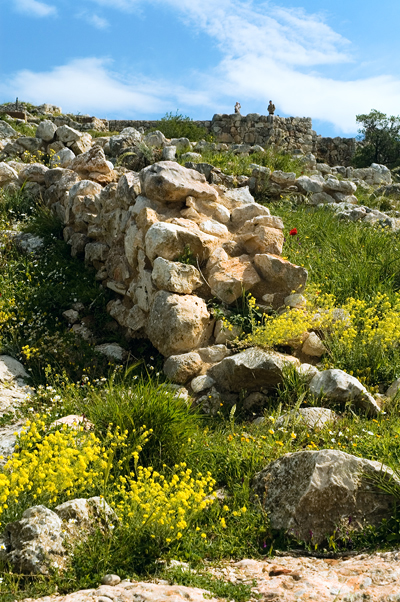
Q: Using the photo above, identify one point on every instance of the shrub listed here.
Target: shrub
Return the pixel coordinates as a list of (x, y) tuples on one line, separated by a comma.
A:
[(181, 126), (138, 400)]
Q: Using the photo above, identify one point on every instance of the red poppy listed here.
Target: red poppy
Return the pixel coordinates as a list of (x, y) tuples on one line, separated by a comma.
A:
[(293, 232)]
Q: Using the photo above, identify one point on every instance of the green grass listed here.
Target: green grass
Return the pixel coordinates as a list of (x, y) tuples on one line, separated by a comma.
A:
[(239, 164), (343, 259)]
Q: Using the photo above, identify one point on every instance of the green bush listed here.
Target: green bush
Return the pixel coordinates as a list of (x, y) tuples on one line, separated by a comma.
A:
[(181, 126)]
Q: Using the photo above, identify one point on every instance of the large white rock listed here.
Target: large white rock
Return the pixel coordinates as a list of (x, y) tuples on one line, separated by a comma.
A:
[(175, 277), (182, 368), (67, 135), (63, 158), (156, 139), (337, 385), (214, 228), (251, 370), (93, 165), (247, 212), (46, 130), (36, 543), (309, 417), (313, 346), (344, 186), (228, 279), (168, 181), (6, 131), (7, 174), (11, 369), (310, 184), (393, 389), (170, 241), (283, 178), (178, 323), (311, 494), (280, 275), (34, 172)]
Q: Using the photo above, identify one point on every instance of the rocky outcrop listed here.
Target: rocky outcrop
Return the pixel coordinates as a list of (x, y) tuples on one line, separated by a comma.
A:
[(313, 494)]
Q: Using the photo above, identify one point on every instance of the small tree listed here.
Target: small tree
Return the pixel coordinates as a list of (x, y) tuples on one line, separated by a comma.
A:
[(380, 140)]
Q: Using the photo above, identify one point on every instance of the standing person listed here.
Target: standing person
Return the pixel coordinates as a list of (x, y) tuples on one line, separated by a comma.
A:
[(271, 108)]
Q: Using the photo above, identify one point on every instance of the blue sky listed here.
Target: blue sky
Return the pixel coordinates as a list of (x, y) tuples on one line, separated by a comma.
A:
[(142, 58)]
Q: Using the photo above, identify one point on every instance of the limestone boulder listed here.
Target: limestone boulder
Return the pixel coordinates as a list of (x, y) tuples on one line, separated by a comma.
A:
[(283, 178), (251, 370), (7, 174), (168, 181), (228, 279), (46, 130), (313, 346), (6, 131), (236, 197), (181, 143), (262, 239), (170, 241), (128, 189), (63, 158), (280, 275), (82, 145), (214, 228), (175, 277), (112, 351), (156, 139), (242, 214), (127, 138), (34, 172), (332, 184), (11, 370), (182, 368), (311, 184), (67, 135), (336, 385), (311, 418), (310, 494), (393, 389), (93, 165), (178, 323), (169, 153), (36, 543), (30, 144)]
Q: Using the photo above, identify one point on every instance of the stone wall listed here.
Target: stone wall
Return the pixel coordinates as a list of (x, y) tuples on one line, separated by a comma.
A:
[(285, 133), (335, 151)]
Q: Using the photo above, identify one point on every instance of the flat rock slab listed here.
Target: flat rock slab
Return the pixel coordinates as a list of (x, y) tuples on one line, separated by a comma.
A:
[(284, 579)]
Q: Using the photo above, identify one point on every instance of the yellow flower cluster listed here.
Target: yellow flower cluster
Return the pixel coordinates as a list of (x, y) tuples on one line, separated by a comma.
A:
[(30, 352), (44, 466), (376, 322), (162, 507)]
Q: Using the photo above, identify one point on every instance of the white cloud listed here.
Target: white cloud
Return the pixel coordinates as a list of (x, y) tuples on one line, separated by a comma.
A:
[(35, 8), (89, 85), (94, 20)]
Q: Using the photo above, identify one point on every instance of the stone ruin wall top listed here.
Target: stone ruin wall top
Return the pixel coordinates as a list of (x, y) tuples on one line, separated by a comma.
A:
[(285, 133)]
